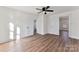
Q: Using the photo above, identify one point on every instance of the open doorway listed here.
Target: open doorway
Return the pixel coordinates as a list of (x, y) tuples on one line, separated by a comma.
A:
[(35, 29), (64, 28)]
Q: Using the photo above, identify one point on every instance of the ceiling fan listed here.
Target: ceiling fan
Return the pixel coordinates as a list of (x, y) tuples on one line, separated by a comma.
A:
[(45, 9)]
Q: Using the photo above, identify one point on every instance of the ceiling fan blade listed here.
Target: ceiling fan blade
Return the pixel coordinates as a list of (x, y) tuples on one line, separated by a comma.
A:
[(50, 10), (45, 12), (38, 9), (47, 7)]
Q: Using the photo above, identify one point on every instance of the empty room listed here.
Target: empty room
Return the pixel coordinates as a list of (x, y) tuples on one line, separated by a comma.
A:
[(39, 28)]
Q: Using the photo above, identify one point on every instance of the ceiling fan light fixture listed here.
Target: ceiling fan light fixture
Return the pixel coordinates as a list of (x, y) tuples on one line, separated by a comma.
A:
[(45, 13)]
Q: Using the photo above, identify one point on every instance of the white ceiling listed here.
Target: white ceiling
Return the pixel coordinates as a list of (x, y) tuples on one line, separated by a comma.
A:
[(57, 9)]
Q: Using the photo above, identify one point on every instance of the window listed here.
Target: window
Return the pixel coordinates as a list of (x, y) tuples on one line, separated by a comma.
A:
[(11, 28), (18, 33)]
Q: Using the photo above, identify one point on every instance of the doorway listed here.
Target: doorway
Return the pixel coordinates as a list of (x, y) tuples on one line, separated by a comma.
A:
[(35, 29), (64, 29)]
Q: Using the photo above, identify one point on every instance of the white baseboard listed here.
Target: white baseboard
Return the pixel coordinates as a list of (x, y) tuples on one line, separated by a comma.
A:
[(5, 41), (73, 37)]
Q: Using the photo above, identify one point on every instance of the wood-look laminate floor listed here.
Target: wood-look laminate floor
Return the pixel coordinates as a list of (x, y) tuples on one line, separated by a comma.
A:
[(41, 43)]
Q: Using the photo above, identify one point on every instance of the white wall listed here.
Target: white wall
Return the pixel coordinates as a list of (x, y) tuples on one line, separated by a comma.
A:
[(42, 24), (74, 25), (45, 21), (39, 24), (18, 18), (47, 24), (53, 24)]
